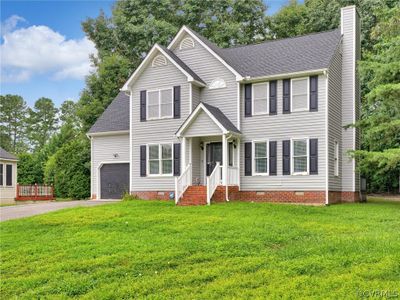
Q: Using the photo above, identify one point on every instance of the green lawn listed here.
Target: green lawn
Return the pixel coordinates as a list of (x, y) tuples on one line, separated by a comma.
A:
[(140, 249)]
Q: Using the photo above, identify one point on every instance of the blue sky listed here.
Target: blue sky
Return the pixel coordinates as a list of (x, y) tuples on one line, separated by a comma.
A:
[(44, 50)]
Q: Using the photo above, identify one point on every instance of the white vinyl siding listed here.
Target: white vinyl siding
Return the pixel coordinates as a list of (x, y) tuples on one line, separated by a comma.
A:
[(260, 157), (300, 153), (282, 127), (336, 159), (160, 104), (260, 94), (202, 125)]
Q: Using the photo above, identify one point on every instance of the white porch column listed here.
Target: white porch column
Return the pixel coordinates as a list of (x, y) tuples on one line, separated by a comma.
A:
[(190, 150), (238, 160), (183, 153), (224, 160)]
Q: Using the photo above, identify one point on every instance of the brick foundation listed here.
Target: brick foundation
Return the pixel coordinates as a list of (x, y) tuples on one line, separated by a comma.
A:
[(93, 197), (153, 195), (343, 197)]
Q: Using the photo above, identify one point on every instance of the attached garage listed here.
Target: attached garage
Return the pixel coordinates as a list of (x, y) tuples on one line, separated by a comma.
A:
[(114, 180)]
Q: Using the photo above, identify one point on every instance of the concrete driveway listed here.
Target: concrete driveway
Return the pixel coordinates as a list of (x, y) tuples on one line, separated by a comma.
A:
[(27, 210)]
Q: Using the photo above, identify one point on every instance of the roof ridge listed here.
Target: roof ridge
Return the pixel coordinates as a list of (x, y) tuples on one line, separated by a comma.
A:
[(278, 40)]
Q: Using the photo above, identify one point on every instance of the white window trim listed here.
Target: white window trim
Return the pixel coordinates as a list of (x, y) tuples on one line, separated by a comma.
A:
[(252, 99), (159, 159), (159, 104), (213, 86), (292, 156), (155, 58), (336, 147), (308, 94), (253, 150)]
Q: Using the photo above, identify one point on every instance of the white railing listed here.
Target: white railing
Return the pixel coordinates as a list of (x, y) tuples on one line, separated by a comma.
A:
[(233, 175), (183, 182), (213, 181)]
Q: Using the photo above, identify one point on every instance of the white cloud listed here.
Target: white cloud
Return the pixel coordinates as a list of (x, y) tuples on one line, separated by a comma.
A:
[(40, 50), (9, 24)]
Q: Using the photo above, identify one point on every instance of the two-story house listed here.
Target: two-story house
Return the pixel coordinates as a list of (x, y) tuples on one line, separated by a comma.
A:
[(264, 122)]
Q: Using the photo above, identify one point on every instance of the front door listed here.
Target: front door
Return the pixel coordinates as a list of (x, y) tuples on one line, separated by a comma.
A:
[(213, 155)]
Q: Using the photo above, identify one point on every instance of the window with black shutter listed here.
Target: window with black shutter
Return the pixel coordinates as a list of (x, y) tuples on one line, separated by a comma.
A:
[(272, 97), (247, 159), (314, 93), (143, 150), (247, 100), (1, 175), (177, 159), (313, 156), (286, 95), (177, 102), (286, 157), (272, 158), (142, 106), (9, 175)]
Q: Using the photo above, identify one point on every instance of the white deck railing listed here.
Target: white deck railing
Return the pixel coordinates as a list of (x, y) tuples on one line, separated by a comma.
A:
[(213, 181), (182, 182), (233, 175)]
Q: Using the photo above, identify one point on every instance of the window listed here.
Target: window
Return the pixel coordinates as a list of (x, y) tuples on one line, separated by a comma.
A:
[(1, 175), (230, 154), (159, 104), (300, 156), (217, 83), (160, 159), (260, 98), (159, 61), (300, 94), (9, 175), (187, 43), (336, 159), (260, 158)]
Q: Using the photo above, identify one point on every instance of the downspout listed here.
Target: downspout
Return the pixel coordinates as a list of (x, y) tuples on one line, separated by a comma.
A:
[(327, 141)]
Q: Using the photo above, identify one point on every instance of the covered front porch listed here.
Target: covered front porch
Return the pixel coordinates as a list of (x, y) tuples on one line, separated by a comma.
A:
[(210, 152)]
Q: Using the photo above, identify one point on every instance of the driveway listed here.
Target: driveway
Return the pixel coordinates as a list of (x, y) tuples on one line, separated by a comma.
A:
[(27, 210)]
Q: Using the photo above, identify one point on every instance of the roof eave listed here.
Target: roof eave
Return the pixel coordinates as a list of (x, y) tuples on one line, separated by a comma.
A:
[(107, 133), (249, 79)]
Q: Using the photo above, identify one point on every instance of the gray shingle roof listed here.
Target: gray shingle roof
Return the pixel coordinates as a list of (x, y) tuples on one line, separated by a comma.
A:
[(219, 115), (302, 53), (115, 117), (6, 155), (182, 64)]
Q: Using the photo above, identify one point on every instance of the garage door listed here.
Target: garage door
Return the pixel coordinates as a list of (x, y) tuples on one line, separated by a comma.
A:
[(114, 180)]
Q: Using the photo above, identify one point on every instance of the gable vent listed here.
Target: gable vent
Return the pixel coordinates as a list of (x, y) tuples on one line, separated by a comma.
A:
[(159, 61), (186, 43)]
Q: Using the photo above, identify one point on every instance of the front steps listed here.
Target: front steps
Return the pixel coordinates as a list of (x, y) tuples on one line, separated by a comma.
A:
[(197, 195), (194, 195)]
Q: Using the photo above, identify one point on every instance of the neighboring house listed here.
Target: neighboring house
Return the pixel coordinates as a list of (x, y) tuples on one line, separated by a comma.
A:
[(261, 122), (8, 177)]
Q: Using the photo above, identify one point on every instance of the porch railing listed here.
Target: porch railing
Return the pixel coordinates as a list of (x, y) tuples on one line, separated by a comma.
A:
[(34, 192), (182, 182), (233, 175), (213, 181)]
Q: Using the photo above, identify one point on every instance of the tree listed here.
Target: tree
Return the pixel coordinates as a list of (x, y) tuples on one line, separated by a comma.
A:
[(136, 25), (68, 113), (69, 169), (379, 160), (12, 122), (29, 169), (42, 122)]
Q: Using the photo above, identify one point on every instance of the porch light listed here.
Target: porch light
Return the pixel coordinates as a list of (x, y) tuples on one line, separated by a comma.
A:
[(202, 145), (116, 155)]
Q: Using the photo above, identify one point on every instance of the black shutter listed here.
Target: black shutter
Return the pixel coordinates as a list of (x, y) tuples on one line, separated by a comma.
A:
[(9, 175), (1, 174), (247, 159), (177, 102), (286, 95), (286, 157), (313, 156), (314, 93), (177, 159), (272, 97), (247, 100), (272, 158), (143, 150), (142, 106)]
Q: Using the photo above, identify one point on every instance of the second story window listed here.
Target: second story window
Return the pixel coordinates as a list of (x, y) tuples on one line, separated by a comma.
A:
[(260, 98), (300, 94), (159, 104)]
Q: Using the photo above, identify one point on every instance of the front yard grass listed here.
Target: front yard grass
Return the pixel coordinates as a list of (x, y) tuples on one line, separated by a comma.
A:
[(152, 249)]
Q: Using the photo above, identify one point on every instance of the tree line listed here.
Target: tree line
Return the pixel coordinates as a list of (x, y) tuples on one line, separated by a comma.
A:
[(123, 39)]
